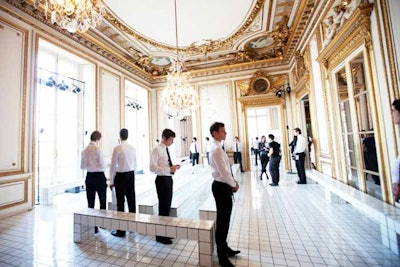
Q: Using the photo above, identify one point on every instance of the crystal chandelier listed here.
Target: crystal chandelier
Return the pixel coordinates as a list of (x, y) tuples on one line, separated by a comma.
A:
[(179, 98), (74, 15)]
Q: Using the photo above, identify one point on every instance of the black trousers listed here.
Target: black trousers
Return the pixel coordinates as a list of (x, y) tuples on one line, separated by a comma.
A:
[(255, 155), (164, 186), (264, 161), (208, 158), (96, 182), (195, 158), (125, 188), (274, 168), (237, 158), (223, 199), (301, 172)]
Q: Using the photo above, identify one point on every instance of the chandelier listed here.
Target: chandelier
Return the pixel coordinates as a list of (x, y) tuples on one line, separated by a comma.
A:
[(74, 15), (179, 98)]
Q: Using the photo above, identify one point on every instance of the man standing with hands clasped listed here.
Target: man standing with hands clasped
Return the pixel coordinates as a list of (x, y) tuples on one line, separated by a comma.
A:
[(161, 164), (122, 176), (223, 187), (299, 154)]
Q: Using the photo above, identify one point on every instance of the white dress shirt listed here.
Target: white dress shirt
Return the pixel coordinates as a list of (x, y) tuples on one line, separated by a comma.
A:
[(301, 145), (92, 158), (159, 163), (255, 144), (237, 147), (395, 171), (123, 160), (194, 148), (219, 161), (208, 146)]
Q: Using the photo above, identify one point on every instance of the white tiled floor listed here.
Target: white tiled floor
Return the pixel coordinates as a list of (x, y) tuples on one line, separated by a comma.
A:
[(289, 225)]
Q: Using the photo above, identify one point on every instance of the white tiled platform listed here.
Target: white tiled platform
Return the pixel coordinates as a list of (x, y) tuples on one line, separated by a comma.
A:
[(289, 225)]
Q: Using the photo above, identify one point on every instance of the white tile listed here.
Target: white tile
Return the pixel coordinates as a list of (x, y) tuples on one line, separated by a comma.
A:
[(193, 234), (205, 236), (171, 231), (182, 233), (161, 230), (151, 229), (141, 228), (123, 225), (115, 224), (205, 248), (107, 223), (132, 226)]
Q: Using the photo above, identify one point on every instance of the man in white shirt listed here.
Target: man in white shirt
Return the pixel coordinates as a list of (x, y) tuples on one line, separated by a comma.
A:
[(122, 176), (223, 187), (93, 162), (255, 147), (194, 151), (208, 149), (300, 156), (161, 164), (237, 152), (396, 167)]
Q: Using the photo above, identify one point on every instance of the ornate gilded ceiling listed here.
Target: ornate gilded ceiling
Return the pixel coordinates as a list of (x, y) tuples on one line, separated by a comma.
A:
[(268, 34)]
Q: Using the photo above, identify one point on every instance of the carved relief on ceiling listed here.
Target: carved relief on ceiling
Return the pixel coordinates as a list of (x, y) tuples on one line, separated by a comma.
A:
[(302, 65), (337, 17), (261, 84)]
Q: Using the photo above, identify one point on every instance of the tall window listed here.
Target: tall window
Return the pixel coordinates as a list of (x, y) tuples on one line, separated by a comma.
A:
[(59, 115), (357, 128), (137, 122)]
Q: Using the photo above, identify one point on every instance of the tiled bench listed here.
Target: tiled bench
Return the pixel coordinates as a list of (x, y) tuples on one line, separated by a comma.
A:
[(185, 179), (386, 215), (200, 230), (208, 210)]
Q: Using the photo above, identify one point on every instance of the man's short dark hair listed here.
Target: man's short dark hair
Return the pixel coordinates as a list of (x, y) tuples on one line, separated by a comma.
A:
[(215, 127), (396, 104), (208, 139), (168, 133), (194, 138), (297, 130), (271, 136), (95, 136), (123, 134)]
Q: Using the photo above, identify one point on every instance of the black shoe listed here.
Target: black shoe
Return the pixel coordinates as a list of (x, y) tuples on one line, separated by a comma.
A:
[(261, 176), (163, 240), (226, 263), (300, 182), (273, 184), (232, 252), (118, 233), (96, 229)]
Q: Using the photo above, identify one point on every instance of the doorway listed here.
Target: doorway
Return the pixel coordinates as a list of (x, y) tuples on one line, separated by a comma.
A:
[(262, 121)]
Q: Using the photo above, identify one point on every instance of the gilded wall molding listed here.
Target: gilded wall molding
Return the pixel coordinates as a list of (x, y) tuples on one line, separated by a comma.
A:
[(24, 33), (389, 40), (355, 32)]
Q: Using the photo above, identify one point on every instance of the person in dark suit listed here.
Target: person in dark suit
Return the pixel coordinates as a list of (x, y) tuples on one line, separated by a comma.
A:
[(263, 149), (161, 164), (275, 158), (194, 151)]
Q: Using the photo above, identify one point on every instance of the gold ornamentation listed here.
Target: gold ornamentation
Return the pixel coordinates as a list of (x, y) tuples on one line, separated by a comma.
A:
[(352, 34), (73, 15), (222, 43)]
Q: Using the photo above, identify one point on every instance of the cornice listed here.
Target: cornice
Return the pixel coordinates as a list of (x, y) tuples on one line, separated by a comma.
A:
[(354, 32), (82, 39)]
